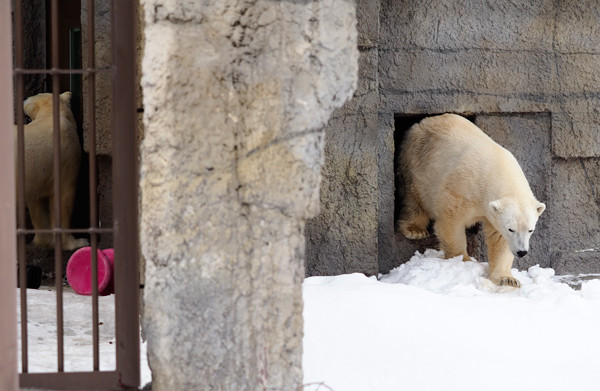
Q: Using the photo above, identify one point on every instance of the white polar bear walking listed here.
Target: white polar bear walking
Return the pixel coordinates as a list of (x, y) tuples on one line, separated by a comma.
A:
[(456, 175)]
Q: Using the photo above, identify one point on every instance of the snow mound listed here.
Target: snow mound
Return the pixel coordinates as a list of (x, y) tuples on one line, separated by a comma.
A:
[(454, 277), (433, 273)]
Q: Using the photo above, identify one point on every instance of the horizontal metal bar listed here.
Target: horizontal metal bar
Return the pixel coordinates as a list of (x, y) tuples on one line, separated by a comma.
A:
[(24, 231), (71, 381), (57, 71)]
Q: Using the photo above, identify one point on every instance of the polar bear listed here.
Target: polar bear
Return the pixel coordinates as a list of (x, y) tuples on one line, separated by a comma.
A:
[(39, 175), (457, 176)]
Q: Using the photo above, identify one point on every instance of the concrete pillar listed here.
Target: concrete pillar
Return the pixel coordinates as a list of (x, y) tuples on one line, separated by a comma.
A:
[(235, 95)]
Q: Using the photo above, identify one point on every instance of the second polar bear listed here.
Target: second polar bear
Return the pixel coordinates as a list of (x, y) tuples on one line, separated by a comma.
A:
[(39, 175), (457, 176)]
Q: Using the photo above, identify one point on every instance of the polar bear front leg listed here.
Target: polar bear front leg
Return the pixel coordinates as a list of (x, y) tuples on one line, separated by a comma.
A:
[(500, 258), (452, 236)]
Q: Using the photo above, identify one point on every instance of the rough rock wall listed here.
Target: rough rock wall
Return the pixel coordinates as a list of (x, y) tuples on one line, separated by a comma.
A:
[(343, 237), (34, 45), (103, 60), (103, 103), (235, 95), (526, 71)]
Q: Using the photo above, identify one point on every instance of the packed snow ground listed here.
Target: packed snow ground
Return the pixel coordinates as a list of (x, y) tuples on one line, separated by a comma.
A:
[(41, 312), (431, 324), (435, 324)]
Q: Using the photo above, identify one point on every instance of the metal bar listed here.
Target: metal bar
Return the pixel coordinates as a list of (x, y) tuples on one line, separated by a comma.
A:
[(21, 186), (125, 198), (8, 332), (26, 231), (72, 381), (52, 71), (91, 107), (95, 316), (57, 191)]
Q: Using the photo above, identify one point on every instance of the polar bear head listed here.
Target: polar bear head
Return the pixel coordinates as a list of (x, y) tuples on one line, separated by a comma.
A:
[(515, 221), (41, 104)]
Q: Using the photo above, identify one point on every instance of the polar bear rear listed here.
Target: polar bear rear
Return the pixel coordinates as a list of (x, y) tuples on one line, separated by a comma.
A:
[(39, 162), (455, 174)]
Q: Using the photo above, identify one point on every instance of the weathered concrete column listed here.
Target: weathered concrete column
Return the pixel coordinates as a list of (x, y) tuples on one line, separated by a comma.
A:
[(235, 95)]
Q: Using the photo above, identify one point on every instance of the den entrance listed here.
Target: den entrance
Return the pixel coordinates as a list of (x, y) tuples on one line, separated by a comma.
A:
[(402, 123)]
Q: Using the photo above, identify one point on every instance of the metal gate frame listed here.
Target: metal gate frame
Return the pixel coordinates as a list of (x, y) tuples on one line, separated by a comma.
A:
[(8, 271), (125, 217)]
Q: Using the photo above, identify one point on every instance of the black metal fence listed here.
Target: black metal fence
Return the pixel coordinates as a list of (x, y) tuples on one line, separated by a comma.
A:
[(125, 200)]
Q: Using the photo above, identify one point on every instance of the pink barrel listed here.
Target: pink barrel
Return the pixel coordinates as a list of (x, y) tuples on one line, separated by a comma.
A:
[(79, 271)]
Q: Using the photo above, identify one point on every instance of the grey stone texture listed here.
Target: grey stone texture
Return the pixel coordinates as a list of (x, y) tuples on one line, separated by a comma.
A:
[(103, 91), (103, 104), (34, 44), (235, 97), (525, 71)]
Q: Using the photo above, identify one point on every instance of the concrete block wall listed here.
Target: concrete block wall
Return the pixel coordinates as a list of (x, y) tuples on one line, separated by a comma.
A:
[(526, 72)]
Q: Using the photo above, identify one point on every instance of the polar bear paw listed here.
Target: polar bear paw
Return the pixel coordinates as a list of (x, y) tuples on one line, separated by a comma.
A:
[(72, 244), (509, 281), (414, 232)]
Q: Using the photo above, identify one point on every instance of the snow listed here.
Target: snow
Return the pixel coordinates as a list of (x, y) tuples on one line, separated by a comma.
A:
[(77, 324), (430, 324), (434, 324)]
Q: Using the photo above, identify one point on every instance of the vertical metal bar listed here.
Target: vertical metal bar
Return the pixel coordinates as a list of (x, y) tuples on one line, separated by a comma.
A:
[(125, 198), (8, 333), (57, 191), (91, 124), (21, 186)]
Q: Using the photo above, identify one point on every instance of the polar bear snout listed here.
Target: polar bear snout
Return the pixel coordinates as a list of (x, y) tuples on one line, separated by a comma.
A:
[(518, 243)]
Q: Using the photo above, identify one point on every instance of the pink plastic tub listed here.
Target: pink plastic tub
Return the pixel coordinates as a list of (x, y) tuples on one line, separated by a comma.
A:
[(79, 271)]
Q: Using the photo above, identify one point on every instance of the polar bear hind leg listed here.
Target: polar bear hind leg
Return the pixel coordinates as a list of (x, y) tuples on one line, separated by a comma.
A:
[(414, 219), (66, 200), (39, 212)]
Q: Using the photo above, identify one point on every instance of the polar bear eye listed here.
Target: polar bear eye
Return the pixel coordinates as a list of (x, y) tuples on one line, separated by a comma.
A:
[(511, 230), (530, 231)]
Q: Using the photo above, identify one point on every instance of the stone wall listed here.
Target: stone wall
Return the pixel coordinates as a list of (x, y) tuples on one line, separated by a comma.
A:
[(525, 71), (235, 97), (103, 60), (103, 104), (34, 46)]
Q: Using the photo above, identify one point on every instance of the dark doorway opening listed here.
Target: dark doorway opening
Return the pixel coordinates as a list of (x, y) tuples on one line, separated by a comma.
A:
[(402, 123)]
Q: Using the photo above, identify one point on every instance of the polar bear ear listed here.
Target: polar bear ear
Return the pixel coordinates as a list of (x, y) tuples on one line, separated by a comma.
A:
[(495, 206), (540, 208), (65, 98), (31, 107)]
